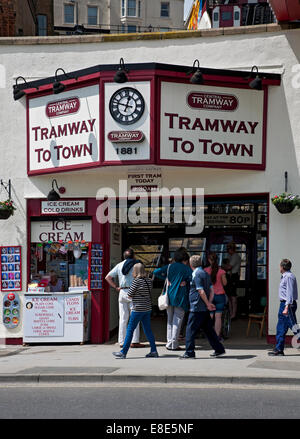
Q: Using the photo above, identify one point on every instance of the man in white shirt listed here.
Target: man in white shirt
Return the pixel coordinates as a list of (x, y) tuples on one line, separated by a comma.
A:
[(123, 272)]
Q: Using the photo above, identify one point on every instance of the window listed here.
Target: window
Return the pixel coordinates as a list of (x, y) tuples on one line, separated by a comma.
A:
[(131, 29), (92, 15), (226, 15), (69, 14), (123, 10), (139, 8), (131, 8), (165, 10), (164, 29), (236, 15), (216, 16), (42, 25)]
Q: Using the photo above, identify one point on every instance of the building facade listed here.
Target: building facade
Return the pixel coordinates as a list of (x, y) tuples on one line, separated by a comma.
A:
[(156, 130), (115, 16), (26, 18)]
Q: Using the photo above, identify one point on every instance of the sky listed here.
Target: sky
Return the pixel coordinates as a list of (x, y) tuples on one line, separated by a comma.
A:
[(187, 5)]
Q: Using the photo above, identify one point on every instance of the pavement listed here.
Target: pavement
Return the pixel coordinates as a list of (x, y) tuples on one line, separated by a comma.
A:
[(246, 362)]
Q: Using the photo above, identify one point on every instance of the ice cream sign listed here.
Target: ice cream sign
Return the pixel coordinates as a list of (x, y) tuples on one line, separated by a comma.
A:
[(61, 231), (63, 133)]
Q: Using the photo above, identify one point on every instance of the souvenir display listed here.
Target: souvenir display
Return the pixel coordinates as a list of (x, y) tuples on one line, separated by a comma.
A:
[(10, 268), (96, 267)]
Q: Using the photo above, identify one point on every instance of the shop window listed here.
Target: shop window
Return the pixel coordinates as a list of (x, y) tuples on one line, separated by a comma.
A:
[(131, 29), (123, 8), (194, 246), (165, 9), (42, 25), (69, 14), (226, 15), (92, 15), (221, 251), (131, 8)]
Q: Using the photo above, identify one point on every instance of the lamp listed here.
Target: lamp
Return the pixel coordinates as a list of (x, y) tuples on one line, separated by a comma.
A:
[(53, 195), (121, 77), (256, 83), (59, 87), (18, 94), (197, 77)]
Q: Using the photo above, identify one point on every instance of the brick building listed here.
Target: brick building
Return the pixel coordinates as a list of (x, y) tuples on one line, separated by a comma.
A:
[(26, 18)]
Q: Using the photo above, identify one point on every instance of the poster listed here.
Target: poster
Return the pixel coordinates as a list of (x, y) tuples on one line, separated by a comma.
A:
[(44, 316), (11, 268), (73, 309)]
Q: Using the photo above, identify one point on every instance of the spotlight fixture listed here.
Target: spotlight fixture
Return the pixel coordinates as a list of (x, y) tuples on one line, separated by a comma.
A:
[(197, 77), (121, 77), (53, 195), (18, 94), (256, 83), (59, 87)]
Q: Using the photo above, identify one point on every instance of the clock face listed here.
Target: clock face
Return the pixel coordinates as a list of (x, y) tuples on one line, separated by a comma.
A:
[(127, 106)]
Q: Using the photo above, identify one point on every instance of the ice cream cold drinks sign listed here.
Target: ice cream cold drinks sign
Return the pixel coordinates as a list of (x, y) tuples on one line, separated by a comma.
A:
[(64, 132), (204, 124)]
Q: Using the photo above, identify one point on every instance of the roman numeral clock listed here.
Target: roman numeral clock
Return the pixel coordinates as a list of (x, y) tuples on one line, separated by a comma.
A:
[(127, 106)]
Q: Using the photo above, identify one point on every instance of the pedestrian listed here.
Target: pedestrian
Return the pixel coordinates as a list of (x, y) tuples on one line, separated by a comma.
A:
[(218, 279), (186, 261), (123, 272), (288, 296), (140, 294), (178, 276), (201, 292), (232, 268)]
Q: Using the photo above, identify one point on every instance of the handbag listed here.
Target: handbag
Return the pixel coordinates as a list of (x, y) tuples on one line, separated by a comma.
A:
[(163, 300)]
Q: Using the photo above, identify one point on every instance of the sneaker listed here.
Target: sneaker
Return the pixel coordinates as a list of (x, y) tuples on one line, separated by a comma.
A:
[(119, 355), (152, 355), (276, 353), (217, 354), (185, 355)]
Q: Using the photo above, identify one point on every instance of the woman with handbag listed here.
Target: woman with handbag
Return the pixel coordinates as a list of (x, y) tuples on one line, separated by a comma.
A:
[(177, 277), (140, 293)]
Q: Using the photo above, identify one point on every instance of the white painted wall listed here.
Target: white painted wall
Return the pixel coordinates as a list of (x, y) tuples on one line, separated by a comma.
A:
[(276, 52)]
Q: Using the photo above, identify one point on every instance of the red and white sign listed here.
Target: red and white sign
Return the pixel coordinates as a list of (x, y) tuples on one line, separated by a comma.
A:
[(212, 126), (61, 230), (63, 106), (125, 136), (64, 133), (125, 150)]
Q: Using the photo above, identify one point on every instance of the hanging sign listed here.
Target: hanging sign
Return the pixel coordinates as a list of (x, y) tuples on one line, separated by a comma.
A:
[(62, 207), (61, 230), (63, 133), (212, 126), (148, 180)]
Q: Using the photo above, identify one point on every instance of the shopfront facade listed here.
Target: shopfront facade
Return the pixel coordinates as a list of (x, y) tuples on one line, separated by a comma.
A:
[(234, 142)]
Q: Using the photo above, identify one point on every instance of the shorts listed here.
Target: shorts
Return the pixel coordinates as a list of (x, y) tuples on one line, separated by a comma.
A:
[(220, 302), (232, 282)]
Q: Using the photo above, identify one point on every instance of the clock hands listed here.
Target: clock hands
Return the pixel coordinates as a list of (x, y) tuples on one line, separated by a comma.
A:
[(123, 105)]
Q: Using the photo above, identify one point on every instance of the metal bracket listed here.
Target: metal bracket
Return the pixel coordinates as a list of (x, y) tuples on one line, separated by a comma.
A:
[(7, 187)]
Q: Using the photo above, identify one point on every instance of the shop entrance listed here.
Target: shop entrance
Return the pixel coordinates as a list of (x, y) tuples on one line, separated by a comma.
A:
[(243, 221)]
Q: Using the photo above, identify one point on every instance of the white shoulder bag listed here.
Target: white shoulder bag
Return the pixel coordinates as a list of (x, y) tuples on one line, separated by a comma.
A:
[(163, 300)]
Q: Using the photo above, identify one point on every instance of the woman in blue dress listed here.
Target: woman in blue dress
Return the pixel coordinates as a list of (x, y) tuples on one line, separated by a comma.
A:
[(178, 277)]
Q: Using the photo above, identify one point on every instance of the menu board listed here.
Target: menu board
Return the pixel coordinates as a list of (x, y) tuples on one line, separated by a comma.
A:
[(96, 267), (11, 268)]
